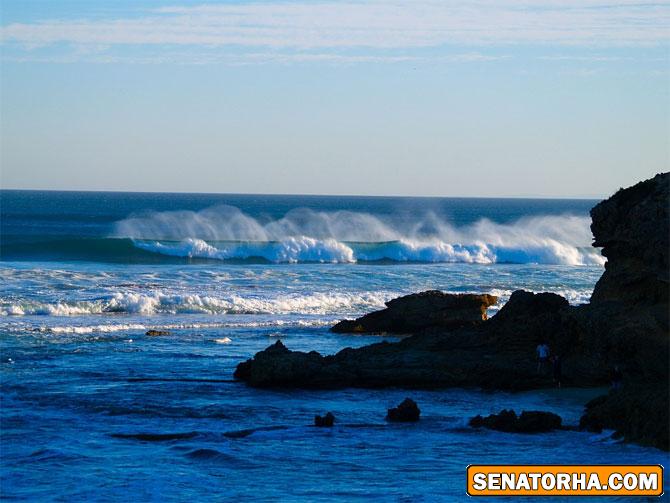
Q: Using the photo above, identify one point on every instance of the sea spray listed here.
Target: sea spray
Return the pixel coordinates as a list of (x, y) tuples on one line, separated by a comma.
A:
[(303, 235)]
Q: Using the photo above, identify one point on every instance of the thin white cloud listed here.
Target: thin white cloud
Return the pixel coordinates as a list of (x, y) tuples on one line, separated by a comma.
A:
[(283, 58), (302, 26)]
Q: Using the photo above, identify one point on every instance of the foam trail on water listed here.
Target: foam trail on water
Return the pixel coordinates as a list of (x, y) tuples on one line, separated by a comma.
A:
[(159, 302), (302, 235)]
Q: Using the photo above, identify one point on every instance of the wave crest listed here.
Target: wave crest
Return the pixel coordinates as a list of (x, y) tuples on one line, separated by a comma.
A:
[(302, 235)]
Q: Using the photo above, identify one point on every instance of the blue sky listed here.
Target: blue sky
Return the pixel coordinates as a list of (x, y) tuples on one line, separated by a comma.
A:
[(461, 98)]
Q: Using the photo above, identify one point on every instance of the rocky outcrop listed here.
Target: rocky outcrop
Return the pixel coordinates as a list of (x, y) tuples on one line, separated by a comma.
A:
[(633, 229), (324, 421), (627, 319), (625, 324), (497, 354), (638, 412), (528, 422), (416, 312), (407, 412)]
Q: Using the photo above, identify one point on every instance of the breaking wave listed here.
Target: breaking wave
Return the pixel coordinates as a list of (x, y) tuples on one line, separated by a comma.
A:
[(226, 233), (164, 303)]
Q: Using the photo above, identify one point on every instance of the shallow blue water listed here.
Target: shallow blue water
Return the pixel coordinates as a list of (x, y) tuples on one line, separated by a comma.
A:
[(84, 276)]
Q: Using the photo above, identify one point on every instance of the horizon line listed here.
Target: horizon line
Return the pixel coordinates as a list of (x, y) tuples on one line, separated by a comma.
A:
[(108, 191)]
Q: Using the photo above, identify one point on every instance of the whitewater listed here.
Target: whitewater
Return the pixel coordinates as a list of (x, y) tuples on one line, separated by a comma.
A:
[(303, 235)]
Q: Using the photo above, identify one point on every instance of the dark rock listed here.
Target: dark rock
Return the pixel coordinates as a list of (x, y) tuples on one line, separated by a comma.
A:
[(538, 421), (276, 366), (627, 321), (418, 311), (528, 422), (154, 333), (633, 228), (497, 354), (407, 412), (327, 420), (638, 412)]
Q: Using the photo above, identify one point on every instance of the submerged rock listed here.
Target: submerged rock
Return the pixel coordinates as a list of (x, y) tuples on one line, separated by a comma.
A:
[(528, 422), (155, 437), (407, 412), (155, 333), (419, 311), (327, 420)]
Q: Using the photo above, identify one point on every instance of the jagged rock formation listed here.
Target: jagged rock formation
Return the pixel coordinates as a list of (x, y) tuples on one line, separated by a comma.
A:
[(406, 412), (625, 324), (419, 311), (632, 227), (533, 421), (627, 318), (496, 354)]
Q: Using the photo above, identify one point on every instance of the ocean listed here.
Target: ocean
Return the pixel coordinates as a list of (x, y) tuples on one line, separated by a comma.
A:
[(85, 275)]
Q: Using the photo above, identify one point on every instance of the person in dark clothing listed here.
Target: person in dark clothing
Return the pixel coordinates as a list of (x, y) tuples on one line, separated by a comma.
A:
[(557, 366), (542, 352), (616, 377)]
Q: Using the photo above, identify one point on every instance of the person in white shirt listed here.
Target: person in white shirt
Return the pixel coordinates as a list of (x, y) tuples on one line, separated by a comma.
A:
[(542, 356)]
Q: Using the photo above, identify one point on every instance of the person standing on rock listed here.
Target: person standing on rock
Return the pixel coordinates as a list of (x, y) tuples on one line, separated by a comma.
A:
[(616, 377), (542, 351), (557, 366)]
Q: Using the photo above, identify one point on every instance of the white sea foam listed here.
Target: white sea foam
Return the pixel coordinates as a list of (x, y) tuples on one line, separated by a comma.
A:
[(159, 302), (291, 250), (302, 235), (332, 304)]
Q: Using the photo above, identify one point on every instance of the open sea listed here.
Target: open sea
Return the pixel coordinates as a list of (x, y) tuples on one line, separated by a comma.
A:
[(94, 410)]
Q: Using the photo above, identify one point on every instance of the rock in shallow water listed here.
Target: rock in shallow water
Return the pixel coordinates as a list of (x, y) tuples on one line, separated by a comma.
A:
[(407, 412), (528, 422), (327, 420), (155, 333)]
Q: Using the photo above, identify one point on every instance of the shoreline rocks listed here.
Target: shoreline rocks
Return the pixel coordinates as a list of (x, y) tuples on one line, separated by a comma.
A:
[(626, 324), (528, 422), (419, 311)]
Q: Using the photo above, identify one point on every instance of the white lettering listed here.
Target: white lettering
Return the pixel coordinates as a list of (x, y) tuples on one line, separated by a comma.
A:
[(615, 481), (563, 482), (494, 481), (579, 481), (648, 481), (594, 482), (523, 482), (630, 481), (479, 481), (535, 477), (548, 481)]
